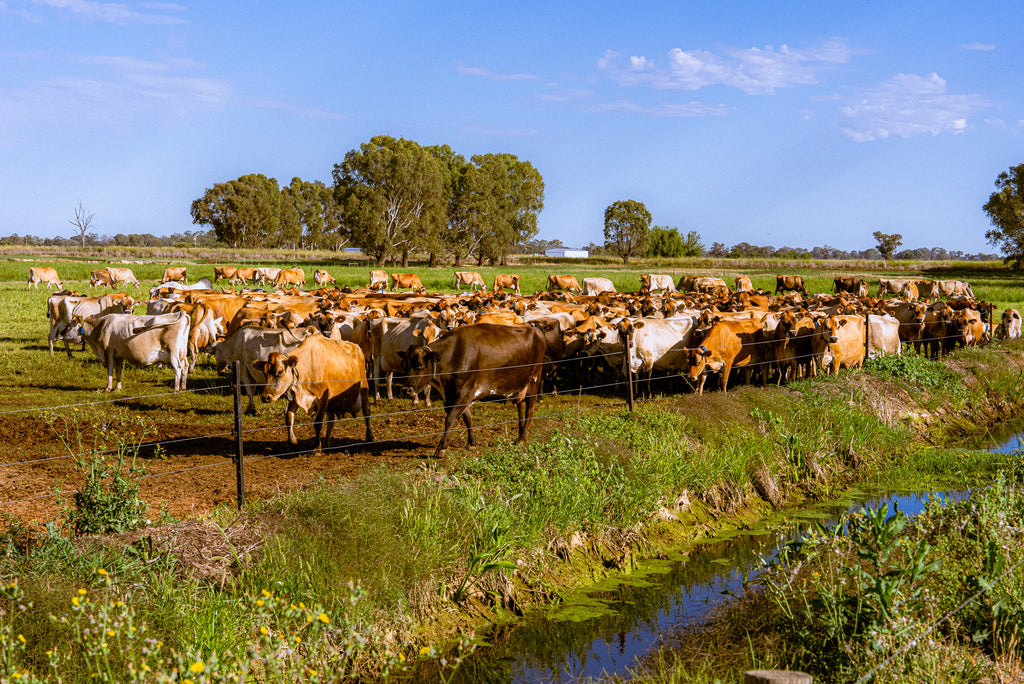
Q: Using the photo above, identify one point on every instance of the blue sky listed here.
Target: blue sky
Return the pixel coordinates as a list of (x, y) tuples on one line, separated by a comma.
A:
[(786, 123)]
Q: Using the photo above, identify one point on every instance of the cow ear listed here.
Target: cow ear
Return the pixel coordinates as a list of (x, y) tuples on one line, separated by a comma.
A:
[(639, 324), (291, 361), (704, 351), (418, 332), (259, 365), (843, 322)]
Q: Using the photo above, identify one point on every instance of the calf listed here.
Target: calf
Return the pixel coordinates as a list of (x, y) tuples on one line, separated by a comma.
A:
[(480, 363), (1010, 325)]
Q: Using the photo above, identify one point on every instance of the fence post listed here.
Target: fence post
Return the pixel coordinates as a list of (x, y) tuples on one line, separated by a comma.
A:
[(867, 335), (239, 472), (629, 368)]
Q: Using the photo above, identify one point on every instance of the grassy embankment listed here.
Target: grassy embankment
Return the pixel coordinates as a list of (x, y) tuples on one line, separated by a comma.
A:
[(577, 503)]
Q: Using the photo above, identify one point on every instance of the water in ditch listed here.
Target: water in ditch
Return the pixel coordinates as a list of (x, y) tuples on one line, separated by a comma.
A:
[(604, 629)]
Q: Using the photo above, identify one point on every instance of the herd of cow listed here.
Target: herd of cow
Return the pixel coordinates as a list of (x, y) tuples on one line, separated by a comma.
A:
[(321, 349)]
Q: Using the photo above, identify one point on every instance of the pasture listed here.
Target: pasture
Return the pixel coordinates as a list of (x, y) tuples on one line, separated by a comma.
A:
[(417, 531), (53, 404)]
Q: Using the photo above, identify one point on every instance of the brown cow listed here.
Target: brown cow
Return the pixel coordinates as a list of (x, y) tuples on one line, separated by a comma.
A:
[(785, 283), (509, 281), (173, 273), (838, 342), (101, 277), (321, 375), (852, 284), (290, 276), (44, 274), (404, 280), (471, 279), (243, 275), (743, 284), (729, 344), (322, 277), (564, 282), (909, 291), (223, 273), (480, 363)]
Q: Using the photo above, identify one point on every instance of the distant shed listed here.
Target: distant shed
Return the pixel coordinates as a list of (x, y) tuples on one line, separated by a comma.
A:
[(568, 253)]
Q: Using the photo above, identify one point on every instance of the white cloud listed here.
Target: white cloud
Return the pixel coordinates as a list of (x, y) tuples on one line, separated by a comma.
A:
[(116, 12), (118, 92), (664, 109), (755, 71), (483, 72), (983, 47), (907, 105)]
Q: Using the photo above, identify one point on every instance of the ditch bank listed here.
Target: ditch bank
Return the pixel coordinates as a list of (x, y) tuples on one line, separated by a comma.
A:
[(893, 426)]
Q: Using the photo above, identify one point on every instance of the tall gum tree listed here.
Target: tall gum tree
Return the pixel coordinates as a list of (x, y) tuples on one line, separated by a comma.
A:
[(390, 193), (1005, 208), (504, 195), (250, 211)]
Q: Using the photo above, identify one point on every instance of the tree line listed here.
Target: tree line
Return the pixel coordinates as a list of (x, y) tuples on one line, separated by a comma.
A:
[(390, 197)]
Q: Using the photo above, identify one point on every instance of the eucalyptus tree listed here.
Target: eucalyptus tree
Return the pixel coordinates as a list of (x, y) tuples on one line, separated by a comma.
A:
[(503, 198), (250, 211), (457, 235), (390, 192), (318, 214), (1005, 209), (627, 228)]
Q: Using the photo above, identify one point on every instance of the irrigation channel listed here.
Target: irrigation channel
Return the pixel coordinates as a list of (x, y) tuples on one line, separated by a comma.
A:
[(604, 629)]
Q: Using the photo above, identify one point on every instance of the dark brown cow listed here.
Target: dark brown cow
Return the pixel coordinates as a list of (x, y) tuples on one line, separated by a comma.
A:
[(786, 283), (101, 277), (506, 281), (564, 282), (404, 280), (851, 284), (480, 363)]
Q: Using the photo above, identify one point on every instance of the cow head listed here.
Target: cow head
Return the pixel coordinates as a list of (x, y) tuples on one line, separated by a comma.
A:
[(420, 365), (701, 361), (281, 373)]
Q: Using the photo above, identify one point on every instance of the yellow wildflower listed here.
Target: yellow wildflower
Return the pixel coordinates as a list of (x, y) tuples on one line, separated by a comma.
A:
[(298, 639), (101, 571), (425, 651), (198, 667), (82, 592), (259, 602), (21, 638), (110, 632), (324, 619), (263, 630), (75, 601), (266, 594)]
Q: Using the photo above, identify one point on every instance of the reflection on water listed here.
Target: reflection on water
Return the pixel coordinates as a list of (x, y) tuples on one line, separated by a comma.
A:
[(608, 627)]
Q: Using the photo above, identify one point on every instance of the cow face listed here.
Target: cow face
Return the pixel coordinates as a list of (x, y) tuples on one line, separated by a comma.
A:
[(281, 375), (827, 328), (699, 362), (419, 364)]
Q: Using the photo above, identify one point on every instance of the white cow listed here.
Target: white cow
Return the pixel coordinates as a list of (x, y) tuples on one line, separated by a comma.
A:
[(141, 340), (595, 286)]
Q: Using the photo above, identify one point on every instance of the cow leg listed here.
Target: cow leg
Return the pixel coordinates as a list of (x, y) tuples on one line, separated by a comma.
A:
[(526, 407), (289, 422), (467, 418), (725, 377), (391, 377), (426, 395), (318, 423), (364, 401)]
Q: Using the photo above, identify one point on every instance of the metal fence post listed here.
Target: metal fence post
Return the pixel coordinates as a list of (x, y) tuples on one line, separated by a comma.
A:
[(239, 472)]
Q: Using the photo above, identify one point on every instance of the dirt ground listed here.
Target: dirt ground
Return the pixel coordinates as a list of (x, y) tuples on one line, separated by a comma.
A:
[(195, 471)]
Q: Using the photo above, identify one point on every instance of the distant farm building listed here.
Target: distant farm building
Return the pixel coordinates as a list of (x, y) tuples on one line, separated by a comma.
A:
[(568, 253)]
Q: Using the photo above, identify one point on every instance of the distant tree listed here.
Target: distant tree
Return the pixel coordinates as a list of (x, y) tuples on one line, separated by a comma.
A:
[(718, 249), (887, 243), (692, 245), (317, 215), (250, 211), (1005, 209), (456, 235), (390, 191), (504, 195), (627, 228), (665, 242), (82, 222)]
